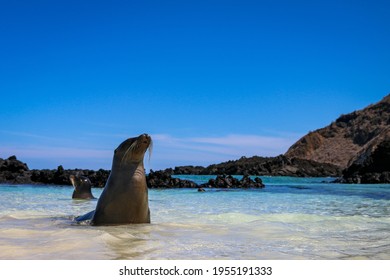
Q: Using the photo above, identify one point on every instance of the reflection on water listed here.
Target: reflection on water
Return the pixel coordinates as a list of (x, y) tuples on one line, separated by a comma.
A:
[(293, 220)]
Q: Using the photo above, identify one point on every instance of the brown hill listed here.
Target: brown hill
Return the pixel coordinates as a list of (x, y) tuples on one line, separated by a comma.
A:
[(347, 138)]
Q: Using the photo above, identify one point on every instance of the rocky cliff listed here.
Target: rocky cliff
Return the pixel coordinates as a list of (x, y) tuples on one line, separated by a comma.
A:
[(345, 139), (372, 164)]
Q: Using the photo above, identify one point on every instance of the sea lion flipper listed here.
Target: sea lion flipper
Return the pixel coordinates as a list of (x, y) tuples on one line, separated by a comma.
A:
[(85, 217)]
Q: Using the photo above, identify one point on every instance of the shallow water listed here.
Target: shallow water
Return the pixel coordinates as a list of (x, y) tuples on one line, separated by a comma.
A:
[(292, 218)]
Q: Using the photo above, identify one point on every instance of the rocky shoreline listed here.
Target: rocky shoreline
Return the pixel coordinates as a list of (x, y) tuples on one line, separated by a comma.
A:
[(354, 148), (13, 171), (263, 166), (371, 167)]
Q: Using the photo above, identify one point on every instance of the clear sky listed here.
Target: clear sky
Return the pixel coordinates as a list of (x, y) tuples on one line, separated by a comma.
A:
[(209, 80)]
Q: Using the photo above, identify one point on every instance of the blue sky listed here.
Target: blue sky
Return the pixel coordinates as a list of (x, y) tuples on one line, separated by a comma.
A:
[(209, 80)]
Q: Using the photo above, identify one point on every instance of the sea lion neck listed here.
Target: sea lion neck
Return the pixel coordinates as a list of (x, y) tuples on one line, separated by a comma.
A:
[(128, 166), (133, 170)]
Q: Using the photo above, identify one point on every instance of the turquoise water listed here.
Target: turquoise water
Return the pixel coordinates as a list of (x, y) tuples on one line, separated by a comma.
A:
[(292, 218)]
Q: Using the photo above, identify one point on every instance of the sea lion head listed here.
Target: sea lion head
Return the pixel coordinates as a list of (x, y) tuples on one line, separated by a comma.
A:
[(80, 180), (82, 187), (132, 150)]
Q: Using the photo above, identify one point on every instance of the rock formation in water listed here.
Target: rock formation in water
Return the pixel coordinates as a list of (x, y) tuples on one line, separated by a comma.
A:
[(161, 179), (13, 171), (228, 182)]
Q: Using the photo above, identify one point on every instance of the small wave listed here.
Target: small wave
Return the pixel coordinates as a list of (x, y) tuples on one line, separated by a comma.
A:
[(24, 215), (233, 218)]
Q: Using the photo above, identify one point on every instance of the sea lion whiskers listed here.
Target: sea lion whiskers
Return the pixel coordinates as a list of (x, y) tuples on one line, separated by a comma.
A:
[(130, 149), (150, 149)]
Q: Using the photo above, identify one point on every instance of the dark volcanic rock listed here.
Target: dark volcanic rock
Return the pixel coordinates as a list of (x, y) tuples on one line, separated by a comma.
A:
[(186, 170), (228, 182), (44, 176), (61, 176), (162, 179), (371, 166), (13, 171), (12, 164), (53, 177), (267, 166)]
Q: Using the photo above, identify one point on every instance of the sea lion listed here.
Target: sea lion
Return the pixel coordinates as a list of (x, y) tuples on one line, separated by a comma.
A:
[(124, 199), (82, 187)]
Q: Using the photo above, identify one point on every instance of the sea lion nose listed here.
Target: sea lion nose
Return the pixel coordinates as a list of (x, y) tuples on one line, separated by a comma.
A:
[(145, 135)]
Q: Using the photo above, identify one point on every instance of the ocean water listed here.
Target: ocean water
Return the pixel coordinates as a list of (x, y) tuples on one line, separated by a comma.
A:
[(292, 218)]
